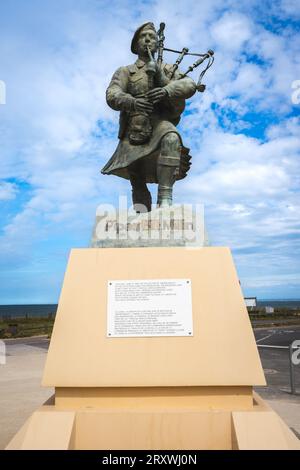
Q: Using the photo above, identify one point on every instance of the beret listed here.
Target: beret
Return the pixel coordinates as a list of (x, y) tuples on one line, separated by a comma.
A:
[(135, 38)]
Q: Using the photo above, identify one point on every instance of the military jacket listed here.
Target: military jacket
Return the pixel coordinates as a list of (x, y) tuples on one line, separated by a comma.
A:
[(129, 83)]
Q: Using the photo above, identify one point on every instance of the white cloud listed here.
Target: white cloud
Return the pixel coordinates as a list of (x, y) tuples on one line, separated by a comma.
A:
[(8, 191), (231, 31), (291, 8)]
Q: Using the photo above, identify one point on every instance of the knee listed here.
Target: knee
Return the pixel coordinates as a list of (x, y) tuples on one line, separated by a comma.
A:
[(171, 138), (170, 141)]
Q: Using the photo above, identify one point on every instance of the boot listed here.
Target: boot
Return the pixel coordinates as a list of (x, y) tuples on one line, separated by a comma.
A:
[(164, 196)]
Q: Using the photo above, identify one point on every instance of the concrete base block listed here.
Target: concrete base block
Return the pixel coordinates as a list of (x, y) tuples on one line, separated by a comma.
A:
[(153, 392), (155, 427), (46, 429)]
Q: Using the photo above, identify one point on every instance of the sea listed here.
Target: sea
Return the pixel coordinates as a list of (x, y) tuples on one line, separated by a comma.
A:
[(21, 311), (44, 310)]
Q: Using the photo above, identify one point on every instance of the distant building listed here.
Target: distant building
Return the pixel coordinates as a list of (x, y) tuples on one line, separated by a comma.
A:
[(251, 302), (269, 309)]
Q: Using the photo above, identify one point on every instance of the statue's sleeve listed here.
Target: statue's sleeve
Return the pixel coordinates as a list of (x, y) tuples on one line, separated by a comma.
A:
[(116, 96), (184, 88)]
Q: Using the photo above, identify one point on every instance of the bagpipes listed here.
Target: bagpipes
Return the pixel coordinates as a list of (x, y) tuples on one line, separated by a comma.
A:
[(184, 52)]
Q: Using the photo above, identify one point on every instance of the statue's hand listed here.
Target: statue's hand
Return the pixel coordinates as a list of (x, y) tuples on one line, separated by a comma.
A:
[(143, 105), (156, 95)]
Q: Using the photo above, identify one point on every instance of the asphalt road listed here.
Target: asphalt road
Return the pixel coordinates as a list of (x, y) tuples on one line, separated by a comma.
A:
[(276, 362), (280, 336), (36, 341)]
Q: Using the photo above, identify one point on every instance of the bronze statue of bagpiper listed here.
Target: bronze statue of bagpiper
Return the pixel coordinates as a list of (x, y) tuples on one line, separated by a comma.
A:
[(150, 96)]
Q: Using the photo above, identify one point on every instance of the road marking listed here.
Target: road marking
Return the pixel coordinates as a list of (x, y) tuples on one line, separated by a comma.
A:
[(270, 371), (265, 337)]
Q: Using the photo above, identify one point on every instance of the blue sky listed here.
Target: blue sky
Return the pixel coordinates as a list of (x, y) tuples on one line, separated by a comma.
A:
[(56, 132)]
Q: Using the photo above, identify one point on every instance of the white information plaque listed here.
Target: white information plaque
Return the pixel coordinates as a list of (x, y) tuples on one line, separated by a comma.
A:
[(156, 307)]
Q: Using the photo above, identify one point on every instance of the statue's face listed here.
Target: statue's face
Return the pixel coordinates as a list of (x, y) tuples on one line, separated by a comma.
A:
[(147, 38)]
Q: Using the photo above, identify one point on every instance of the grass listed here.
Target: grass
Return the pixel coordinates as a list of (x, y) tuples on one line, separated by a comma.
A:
[(35, 326), (24, 327)]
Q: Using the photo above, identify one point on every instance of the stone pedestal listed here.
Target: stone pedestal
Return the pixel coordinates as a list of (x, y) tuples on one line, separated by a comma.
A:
[(153, 392), (140, 391), (177, 225)]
